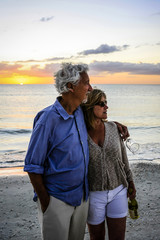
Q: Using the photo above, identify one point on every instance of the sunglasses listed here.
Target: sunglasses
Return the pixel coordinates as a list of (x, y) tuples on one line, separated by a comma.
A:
[(101, 103)]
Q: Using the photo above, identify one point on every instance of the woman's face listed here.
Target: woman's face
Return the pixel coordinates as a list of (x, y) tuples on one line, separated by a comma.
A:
[(100, 110)]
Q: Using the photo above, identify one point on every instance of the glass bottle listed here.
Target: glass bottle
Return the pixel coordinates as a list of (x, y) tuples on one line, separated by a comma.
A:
[(133, 206)]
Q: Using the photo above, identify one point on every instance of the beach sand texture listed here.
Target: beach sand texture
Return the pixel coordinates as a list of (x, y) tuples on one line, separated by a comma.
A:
[(18, 213)]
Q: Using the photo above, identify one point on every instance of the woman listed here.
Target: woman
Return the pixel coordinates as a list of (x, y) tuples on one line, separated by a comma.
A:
[(109, 173)]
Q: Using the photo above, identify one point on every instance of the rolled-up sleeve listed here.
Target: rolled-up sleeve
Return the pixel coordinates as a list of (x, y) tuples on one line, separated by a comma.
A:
[(37, 150)]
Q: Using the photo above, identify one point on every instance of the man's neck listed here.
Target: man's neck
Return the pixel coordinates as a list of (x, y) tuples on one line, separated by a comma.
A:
[(68, 103)]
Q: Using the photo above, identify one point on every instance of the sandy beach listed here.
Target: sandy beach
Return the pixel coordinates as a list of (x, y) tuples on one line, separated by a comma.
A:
[(18, 213)]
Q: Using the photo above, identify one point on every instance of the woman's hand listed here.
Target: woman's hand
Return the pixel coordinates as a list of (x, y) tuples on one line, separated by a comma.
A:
[(131, 193), (123, 130)]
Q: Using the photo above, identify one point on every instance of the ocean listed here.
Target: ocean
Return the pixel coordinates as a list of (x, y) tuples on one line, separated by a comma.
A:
[(136, 106)]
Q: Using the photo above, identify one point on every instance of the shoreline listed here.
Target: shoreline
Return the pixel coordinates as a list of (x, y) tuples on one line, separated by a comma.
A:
[(9, 171), (12, 171), (19, 217)]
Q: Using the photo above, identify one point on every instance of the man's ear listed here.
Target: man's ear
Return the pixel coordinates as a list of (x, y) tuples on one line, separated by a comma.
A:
[(70, 86)]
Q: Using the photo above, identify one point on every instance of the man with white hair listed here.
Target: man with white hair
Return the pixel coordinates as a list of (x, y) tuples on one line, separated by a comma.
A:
[(57, 158)]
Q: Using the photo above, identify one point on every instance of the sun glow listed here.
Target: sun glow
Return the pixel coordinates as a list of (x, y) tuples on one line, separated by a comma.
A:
[(21, 80)]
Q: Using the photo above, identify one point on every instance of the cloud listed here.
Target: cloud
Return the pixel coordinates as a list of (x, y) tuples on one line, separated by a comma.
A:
[(96, 68), (8, 70), (131, 68), (147, 44), (104, 48), (29, 61), (46, 19), (43, 60), (55, 59), (155, 14), (48, 70), (5, 67)]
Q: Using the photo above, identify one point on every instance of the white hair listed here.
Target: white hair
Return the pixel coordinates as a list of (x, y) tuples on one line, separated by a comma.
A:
[(69, 73)]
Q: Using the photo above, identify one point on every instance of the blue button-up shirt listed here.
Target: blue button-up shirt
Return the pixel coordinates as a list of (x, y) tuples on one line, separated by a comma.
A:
[(58, 150)]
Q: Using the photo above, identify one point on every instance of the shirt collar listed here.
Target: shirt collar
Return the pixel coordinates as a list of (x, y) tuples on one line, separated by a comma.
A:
[(62, 111)]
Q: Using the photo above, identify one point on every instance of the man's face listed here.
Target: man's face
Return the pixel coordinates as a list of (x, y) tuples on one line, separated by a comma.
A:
[(82, 88)]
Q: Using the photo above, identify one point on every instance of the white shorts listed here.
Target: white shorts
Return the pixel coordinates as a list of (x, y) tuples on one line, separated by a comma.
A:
[(110, 203)]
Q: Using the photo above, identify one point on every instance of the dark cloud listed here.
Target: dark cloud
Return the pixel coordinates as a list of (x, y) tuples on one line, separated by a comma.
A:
[(58, 59), (43, 60), (104, 48), (119, 67), (46, 19), (95, 68), (54, 59), (29, 61)]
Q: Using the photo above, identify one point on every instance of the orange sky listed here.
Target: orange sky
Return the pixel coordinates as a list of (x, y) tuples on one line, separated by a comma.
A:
[(100, 72), (125, 78), (118, 78)]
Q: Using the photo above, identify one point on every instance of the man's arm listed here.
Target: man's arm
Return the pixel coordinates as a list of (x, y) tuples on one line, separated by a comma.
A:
[(39, 187), (123, 130)]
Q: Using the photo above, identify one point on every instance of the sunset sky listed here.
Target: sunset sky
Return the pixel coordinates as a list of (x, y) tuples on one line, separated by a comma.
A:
[(118, 39)]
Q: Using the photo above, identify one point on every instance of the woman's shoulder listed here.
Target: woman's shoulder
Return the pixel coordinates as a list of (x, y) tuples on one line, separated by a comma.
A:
[(110, 124), (111, 127)]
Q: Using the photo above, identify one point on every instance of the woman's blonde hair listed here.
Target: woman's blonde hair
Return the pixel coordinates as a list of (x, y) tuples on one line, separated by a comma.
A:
[(94, 97)]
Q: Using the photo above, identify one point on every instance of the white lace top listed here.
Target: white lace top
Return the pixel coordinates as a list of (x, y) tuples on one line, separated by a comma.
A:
[(108, 165)]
